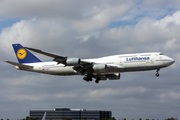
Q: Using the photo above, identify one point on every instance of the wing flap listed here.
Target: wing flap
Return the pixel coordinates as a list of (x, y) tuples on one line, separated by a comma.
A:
[(19, 65)]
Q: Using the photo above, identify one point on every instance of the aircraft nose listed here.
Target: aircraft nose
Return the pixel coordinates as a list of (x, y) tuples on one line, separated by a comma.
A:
[(172, 61)]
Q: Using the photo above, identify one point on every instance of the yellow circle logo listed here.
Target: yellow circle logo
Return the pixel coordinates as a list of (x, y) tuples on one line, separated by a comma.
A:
[(21, 54)]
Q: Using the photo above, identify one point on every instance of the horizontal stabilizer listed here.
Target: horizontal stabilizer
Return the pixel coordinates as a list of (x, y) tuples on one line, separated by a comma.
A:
[(20, 65)]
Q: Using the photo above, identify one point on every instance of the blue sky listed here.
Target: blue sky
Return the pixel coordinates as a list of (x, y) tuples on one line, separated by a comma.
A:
[(8, 22), (87, 30)]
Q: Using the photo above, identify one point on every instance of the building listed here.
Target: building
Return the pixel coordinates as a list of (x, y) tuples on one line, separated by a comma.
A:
[(67, 113)]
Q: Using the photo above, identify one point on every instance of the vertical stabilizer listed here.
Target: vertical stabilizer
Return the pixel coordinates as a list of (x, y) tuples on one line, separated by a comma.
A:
[(23, 55)]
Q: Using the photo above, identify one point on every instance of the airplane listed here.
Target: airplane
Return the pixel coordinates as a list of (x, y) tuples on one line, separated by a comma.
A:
[(100, 69)]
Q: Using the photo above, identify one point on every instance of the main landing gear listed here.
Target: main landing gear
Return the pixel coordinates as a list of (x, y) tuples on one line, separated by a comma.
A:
[(157, 72), (97, 80), (89, 78)]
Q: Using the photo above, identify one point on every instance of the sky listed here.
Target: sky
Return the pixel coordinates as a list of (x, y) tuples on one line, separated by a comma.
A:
[(91, 29)]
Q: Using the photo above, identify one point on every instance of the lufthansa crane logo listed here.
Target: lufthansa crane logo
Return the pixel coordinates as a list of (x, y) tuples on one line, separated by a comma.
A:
[(21, 53)]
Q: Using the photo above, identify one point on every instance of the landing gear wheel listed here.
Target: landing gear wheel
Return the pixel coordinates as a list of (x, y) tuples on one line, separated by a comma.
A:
[(97, 81), (87, 78), (90, 78), (157, 74)]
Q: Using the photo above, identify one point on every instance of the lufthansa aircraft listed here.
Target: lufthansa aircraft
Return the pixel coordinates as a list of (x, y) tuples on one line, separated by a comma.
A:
[(99, 68)]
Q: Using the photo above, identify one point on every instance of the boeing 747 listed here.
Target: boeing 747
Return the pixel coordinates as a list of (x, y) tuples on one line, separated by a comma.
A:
[(100, 69)]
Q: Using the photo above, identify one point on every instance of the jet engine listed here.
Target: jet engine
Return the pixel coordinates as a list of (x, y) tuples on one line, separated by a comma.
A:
[(115, 76), (102, 78), (99, 67), (73, 62)]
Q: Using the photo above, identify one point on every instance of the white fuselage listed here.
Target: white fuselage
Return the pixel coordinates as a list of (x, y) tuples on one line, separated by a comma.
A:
[(123, 63)]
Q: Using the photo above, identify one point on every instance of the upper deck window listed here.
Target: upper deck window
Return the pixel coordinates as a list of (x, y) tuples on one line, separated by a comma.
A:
[(161, 54)]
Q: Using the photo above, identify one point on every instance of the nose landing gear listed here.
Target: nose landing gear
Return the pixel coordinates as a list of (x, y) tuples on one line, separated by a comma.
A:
[(157, 74)]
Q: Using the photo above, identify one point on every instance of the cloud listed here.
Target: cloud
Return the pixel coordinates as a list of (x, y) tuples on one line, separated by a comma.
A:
[(172, 44), (100, 17), (161, 3), (168, 20), (42, 9)]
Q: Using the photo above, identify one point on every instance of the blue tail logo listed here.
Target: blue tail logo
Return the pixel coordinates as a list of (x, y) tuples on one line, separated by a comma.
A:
[(23, 55)]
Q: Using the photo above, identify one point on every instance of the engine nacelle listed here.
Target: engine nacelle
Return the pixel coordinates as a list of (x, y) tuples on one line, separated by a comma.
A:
[(99, 68), (115, 76), (73, 62), (103, 78)]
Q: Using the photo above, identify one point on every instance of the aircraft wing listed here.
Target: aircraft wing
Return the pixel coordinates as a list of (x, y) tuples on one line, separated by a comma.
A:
[(44, 53), (84, 64), (57, 58), (19, 65)]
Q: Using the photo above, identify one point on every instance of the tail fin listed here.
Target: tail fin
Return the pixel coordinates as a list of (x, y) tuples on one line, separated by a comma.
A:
[(23, 55)]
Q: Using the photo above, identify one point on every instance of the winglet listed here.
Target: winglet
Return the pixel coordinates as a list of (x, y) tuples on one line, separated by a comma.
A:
[(23, 55)]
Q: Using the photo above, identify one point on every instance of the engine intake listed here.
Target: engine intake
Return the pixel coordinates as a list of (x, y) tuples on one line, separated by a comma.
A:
[(99, 68), (73, 62)]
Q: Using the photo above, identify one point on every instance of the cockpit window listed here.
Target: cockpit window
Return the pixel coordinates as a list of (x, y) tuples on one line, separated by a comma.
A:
[(161, 54)]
